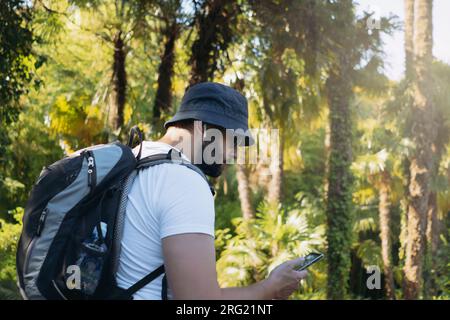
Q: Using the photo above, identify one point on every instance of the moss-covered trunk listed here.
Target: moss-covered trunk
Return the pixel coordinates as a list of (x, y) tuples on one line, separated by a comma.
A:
[(339, 199)]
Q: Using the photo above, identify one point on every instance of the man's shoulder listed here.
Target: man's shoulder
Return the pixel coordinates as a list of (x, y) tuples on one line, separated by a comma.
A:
[(179, 177), (183, 173)]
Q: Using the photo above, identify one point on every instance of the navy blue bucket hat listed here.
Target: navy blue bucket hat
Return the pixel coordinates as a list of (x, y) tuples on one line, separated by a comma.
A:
[(218, 105)]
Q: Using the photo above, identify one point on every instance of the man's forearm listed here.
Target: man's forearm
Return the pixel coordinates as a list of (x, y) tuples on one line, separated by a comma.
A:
[(256, 291)]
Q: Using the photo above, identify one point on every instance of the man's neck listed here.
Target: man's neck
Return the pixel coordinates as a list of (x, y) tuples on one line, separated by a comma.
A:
[(170, 141), (180, 139)]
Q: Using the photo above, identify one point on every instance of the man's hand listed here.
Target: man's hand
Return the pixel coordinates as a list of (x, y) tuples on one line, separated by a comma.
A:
[(284, 280)]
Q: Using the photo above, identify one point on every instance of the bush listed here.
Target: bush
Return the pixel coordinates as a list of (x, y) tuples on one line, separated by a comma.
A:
[(9, 237)]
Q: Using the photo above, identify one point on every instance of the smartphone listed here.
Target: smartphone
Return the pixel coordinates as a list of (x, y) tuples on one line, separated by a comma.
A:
[(309, 260)]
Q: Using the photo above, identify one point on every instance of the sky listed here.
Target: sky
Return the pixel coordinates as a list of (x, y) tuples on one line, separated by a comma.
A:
[(394, 60)]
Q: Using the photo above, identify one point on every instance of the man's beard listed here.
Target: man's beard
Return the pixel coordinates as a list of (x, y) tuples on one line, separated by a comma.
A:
[(213, 170)]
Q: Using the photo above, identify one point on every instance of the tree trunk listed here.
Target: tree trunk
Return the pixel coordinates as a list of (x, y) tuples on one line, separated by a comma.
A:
[(339, 200), (214, 35), (409, 37), (384, 210), (163, 98), (409, 56), (119, 84), (244, 192), (432, 239), (326, 143), (421, 161), (434, 224), (276, 171), (242, 174)]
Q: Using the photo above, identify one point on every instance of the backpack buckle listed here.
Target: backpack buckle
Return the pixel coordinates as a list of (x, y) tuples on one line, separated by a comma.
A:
[(175, 156)]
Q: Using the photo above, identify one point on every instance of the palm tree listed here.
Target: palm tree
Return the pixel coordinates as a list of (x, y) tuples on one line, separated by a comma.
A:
[(242, 174), (422, 133), (171, 31), (346, 45), (384, 207), (409, 36), (244, 192), (216, 20), (380, 169), (119, 82), (339, 199), (116, 23), (286, 27), (441, 102)]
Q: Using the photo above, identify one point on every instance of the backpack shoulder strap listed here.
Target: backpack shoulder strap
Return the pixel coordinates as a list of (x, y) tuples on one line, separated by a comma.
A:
[(172, 156), (128, 293)]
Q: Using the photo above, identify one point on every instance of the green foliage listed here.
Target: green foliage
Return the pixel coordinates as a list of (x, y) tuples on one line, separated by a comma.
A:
[(33, 147), (9, 237), (273, 237), (440, 271), (77, 122), (16, 61), (17, 67)]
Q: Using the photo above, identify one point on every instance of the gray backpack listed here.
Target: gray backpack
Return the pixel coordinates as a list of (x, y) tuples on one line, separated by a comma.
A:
[(73, 222)]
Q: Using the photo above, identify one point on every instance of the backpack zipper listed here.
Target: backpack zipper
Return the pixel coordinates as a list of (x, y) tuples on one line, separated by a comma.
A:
[(41, 222), (27, 254), (37, 233), (92, 173)]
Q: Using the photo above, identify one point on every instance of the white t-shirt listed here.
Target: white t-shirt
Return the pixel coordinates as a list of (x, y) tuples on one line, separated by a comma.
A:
[(164, 200)]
